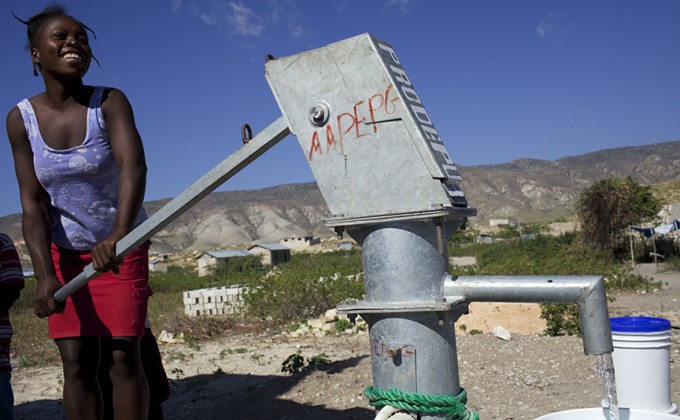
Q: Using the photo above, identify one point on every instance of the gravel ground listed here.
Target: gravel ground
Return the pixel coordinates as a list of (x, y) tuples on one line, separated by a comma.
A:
[(240, 377)]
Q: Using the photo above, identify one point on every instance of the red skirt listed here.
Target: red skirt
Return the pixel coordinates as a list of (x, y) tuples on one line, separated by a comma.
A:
[(111, 305)]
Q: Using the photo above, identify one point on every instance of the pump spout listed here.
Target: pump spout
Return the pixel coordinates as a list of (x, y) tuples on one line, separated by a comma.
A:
[(586, 291)]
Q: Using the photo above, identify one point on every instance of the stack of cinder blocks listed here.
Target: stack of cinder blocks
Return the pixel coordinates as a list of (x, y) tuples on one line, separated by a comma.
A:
[(214, 301)]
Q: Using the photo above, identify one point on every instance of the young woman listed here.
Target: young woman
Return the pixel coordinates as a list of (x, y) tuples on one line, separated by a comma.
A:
[(81, 170)]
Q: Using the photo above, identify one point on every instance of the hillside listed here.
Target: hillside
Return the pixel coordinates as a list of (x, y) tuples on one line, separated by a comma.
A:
[(534, 190), (525, 189)]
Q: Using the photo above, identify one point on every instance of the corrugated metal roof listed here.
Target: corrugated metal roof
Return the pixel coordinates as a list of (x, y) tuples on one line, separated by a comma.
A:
[(272, 247), (222, 254)]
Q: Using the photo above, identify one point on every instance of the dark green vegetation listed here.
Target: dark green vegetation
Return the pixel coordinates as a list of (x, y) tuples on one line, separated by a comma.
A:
[(609, 207), (302, 288), (544, 255), (312, 283), (295, 363), (547, 255), (306, 287)]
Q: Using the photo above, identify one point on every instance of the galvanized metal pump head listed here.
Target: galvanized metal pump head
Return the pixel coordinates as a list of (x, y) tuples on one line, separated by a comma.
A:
[(367, 137)]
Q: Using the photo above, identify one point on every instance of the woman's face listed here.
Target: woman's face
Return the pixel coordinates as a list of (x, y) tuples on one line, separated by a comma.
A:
[(62, 48)]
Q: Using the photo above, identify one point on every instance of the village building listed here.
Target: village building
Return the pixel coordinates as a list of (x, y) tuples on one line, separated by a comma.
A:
[(209, 259), (158, 265), (300, 242), (271, 254)]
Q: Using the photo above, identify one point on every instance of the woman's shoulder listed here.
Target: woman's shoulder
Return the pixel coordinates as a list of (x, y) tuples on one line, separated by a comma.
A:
[(14, 119), (105, 92), (109, 90), (13, 113), (33, 100), (112, 93), (114, 99)]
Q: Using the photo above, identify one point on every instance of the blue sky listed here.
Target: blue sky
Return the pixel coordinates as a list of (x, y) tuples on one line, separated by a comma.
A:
[(501, 79)]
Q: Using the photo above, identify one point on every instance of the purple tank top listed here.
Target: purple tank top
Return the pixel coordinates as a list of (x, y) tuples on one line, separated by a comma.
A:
[(82, 181)]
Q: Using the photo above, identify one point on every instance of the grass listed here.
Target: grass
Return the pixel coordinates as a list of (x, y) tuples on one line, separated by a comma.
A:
[(544, 255), (312, 283), (673, 263), (31, 344), (309, 285)]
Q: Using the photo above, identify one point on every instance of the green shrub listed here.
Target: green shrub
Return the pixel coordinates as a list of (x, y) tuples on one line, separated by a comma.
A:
[(237, 270), (341, 325), (180, 279), (547, 255), (305, 287), (463, 237), (318, 361), (294, 363), (561, 319)]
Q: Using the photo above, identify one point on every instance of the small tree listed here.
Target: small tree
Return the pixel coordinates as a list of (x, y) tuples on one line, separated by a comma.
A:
[(609, 206)]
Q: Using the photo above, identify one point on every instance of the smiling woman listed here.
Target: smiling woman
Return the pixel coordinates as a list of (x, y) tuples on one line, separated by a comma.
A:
[(81, 171), (57, 31)]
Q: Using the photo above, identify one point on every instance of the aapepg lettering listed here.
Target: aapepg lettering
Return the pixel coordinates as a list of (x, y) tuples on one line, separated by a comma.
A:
[(351, 126)]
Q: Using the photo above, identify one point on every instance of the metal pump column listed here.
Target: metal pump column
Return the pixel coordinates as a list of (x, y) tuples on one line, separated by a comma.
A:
[(412, 334)]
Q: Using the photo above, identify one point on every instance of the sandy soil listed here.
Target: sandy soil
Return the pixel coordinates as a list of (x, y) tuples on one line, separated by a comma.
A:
[(240, 377)]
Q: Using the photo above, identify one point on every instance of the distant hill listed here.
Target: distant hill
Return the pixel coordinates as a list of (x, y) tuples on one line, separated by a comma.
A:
[(524, 189), (244, 217), (534, 190)]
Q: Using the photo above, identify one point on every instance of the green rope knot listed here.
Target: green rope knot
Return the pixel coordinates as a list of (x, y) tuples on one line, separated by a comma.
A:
[(452, 406)]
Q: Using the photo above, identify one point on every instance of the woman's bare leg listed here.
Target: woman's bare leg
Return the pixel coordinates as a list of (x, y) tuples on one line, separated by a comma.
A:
[(130, 389), (80, 359)]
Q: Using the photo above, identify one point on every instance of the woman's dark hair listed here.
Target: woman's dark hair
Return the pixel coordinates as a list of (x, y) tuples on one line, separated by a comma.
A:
[(35, 23)]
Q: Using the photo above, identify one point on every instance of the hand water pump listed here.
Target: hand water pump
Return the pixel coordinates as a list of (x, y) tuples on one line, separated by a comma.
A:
[(391, 184)]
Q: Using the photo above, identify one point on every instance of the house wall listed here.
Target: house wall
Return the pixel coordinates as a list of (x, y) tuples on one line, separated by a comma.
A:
[(300, 242), (280, 257), (265, 255), (205, 262), (158, 266), (268, 257)]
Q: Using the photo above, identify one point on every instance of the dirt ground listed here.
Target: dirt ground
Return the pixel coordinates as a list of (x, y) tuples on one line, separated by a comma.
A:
[(240, 377)]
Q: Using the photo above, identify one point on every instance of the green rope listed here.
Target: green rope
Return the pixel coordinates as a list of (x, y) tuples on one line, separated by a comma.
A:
[(452, 406)]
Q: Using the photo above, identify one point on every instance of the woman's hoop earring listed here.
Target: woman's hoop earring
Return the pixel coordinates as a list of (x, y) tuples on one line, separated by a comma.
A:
[(35, 70)]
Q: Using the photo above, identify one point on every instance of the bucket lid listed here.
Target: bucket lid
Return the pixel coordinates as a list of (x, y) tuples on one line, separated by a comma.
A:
[(639, 324)]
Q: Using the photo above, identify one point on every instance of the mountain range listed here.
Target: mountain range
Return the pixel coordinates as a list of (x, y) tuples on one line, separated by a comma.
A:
[(527, 190)]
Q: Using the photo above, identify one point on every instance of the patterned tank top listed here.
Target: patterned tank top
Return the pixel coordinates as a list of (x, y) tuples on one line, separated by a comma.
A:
[(82, 181)]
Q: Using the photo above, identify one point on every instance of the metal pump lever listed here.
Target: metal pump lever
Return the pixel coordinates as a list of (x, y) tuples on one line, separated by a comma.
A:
[(229, 167)]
